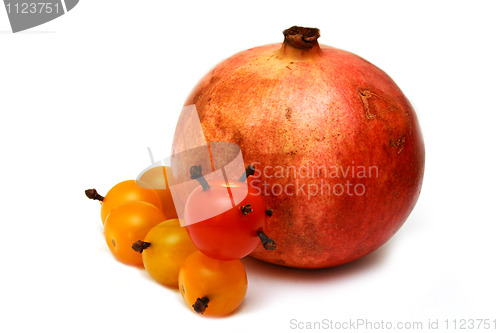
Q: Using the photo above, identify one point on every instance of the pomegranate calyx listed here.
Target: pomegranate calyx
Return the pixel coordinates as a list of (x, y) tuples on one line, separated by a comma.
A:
[(300, 37)]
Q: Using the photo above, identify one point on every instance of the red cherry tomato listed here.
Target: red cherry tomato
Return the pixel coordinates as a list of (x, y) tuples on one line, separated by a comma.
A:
[(223, 226)]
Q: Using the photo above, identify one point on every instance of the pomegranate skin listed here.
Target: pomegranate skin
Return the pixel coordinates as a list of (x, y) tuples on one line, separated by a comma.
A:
[(311, 120)]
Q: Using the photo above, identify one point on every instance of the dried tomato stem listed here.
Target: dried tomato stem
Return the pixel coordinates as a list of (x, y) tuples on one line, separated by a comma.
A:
[(92, 194), (267, 242), (249, 171), (140, 246), (201, 304), (246, 209), (195, 172)]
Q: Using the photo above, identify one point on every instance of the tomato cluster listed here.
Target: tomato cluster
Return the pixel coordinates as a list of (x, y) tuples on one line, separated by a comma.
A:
[(202, 259)]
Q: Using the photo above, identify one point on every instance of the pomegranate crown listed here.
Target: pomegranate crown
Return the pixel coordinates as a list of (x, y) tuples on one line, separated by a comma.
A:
[(301, 37)]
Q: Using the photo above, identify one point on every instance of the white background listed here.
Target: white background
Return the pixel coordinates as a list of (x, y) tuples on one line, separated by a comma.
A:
[(83, 96)]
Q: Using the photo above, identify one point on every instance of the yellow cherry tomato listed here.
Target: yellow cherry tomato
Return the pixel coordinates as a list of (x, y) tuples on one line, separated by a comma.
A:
[(164, 249), (121, 193), (127, 223), (212, 287), (156, 179)]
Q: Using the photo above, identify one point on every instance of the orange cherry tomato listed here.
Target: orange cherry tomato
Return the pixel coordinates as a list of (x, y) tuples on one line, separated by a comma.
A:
[(121, 193), (126, 224), (156, 179), (164, 249), (212, 287)]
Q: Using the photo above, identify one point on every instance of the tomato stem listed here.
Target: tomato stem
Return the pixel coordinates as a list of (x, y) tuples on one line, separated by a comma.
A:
[(267, 242), (92, 194), (201, 304), (249, 171), (246, 209), (195, 172), (140, 246)]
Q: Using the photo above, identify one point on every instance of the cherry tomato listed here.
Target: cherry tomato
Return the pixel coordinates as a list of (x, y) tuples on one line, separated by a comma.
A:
[(225, 220), (212, 287), (156, 179), (164, 249), (126, 224), (121, 193)]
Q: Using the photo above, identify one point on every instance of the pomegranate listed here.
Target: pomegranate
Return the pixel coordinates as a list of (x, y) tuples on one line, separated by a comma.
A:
[(337, 147)]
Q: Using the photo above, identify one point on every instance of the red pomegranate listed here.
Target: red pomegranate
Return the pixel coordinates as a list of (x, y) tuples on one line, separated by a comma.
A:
[(337, 147)]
